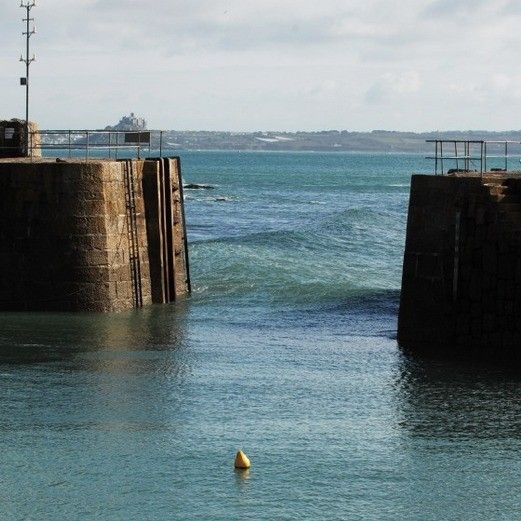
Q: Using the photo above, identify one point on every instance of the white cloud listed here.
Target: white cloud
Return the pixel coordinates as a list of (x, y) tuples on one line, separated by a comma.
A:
[(259, 64)]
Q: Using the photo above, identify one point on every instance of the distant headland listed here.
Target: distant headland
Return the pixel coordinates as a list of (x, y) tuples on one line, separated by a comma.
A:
[(318, 141), (324, 141)]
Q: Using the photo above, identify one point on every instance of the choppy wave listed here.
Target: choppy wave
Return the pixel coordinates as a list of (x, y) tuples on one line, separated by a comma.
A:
[(308, 234)]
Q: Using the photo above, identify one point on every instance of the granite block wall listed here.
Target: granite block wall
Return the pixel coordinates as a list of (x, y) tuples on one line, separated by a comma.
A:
[(64, 231), (461, 286)]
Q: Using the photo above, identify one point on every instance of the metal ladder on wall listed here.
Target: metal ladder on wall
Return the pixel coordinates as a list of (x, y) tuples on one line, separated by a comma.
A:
[(133, 242)]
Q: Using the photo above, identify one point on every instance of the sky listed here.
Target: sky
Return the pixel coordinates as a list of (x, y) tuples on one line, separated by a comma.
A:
[(244, 65)]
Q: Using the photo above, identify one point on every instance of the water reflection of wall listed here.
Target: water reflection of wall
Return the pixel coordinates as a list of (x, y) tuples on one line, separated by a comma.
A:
[(94, 405), (42, 337), (457, 439), (104, 371), (448, 399)]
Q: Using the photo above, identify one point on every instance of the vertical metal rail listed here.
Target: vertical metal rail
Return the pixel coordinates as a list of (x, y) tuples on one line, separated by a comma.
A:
[(185, 237), (456, 154), (436, 158), (481, 161), (441, 158), (168, 220), (165, 260), (506, 156), (133, 240)]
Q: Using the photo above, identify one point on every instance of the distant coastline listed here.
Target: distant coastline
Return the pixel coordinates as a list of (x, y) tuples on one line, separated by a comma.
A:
[(387, 141), (323, 141)]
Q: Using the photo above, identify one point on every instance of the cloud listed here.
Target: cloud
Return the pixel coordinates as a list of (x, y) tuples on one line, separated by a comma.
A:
[(393, 86), (245, 64), (451, 8)]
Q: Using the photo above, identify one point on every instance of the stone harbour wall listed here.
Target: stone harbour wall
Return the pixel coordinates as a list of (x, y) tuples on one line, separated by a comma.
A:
[(461, 286), (67, 235)]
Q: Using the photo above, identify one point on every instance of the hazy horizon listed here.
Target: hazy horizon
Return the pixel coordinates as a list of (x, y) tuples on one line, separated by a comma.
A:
[(413, 66)]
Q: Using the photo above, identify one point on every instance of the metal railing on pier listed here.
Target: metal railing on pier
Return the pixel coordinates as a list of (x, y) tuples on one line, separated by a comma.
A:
[(98, 144), (469, 155)]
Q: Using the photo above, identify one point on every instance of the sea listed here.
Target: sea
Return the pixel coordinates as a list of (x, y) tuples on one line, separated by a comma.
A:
[(286, 349)]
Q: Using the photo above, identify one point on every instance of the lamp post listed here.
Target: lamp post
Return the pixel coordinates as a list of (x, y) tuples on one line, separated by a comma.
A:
[(27, 5)]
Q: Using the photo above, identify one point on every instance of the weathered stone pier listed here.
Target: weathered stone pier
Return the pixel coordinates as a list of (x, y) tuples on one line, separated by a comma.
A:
[(97, 235), (461, 289)]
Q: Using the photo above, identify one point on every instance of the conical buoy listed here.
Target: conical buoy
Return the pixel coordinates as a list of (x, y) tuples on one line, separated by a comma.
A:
[(242, 461)]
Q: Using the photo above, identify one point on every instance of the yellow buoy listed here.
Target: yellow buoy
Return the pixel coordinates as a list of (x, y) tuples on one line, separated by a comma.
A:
[(242, 461)]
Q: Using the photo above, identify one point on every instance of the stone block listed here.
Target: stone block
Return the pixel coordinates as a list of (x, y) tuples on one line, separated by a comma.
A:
[(73, 217)]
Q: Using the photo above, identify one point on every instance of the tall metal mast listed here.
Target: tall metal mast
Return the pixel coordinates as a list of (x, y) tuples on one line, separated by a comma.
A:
[(27, 5)]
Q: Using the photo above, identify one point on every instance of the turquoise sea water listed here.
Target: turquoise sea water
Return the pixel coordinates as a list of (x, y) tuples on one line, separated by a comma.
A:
[(286, 349)]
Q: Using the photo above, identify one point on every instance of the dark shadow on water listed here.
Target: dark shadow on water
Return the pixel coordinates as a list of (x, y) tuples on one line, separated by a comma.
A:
[(477, 357), (441, 397)]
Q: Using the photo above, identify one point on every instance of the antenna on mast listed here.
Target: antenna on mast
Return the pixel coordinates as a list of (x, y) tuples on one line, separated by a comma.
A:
[(27, 5)]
